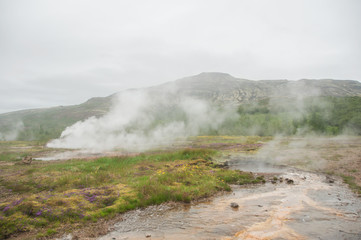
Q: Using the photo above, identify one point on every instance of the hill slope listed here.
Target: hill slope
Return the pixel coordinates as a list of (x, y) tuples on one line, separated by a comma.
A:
[(47, 123), (225, 89), (219, 88)]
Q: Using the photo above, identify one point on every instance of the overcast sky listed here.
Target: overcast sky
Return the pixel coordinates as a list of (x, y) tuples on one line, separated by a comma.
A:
[(63, 52)]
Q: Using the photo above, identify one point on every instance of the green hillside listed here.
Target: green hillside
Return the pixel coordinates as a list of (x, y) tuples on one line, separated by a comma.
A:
[(318, 115), (48, 123), (264, 107)]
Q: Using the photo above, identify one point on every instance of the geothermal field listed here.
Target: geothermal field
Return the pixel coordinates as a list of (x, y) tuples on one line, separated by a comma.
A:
[(284, 188), (183, 119), (203, 157)]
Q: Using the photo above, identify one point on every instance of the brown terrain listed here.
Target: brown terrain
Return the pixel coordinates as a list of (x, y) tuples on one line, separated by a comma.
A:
[(338, 156)]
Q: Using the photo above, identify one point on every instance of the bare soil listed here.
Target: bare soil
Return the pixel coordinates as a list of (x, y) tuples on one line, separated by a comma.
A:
[(334, 156)]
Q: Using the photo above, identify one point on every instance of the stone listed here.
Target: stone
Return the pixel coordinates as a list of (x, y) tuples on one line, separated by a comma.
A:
[(234, 205), (27, 160), (329, 179), (290, 181)]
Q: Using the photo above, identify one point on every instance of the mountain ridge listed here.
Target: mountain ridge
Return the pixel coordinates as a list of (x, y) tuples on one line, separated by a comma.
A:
[(218, 88), (270, 81)]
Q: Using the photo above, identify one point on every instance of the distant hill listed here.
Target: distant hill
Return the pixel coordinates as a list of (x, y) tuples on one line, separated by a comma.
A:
[(48, 123), (218, 88), (225, 89)]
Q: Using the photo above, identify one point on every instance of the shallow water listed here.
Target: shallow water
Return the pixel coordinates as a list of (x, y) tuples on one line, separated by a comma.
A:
[(256, 165), (311, 208)]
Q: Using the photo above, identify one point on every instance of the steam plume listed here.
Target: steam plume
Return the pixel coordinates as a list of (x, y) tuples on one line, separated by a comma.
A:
[(12, 132), (141, 120)]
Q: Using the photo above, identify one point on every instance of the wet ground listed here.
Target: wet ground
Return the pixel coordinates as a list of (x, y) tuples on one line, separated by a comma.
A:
[(312, 207)]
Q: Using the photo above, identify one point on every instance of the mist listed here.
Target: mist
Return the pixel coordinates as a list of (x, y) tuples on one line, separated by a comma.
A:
[(143, 119), (140, 120), (12, 131)]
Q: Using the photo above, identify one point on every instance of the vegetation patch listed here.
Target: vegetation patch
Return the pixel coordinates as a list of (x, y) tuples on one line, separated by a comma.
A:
[(350, 180), (249, 144), (290, 116), (14, 151), (79, 191)]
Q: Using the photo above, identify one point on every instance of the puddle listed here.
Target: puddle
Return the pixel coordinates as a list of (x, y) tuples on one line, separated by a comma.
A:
[(311, 208), (249, 164)]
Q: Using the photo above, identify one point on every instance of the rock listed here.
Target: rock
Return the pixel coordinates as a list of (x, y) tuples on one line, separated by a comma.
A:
[(329, 179), (221, 165), (289, 181), (234, 205), (65, 237), (148, 235), (27, 160)]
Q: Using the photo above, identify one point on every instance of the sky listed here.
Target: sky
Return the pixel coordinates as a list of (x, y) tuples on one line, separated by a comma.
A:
[(63, 52)]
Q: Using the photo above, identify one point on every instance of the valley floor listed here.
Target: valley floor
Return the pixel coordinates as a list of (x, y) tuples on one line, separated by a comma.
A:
[(87, 196)]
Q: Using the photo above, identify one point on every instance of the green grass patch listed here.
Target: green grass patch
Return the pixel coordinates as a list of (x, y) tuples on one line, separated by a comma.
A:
[(350, 180), (9, 156)]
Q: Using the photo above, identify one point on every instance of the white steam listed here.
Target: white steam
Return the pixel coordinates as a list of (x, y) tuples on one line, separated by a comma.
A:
[(141, 120), (13, 131)]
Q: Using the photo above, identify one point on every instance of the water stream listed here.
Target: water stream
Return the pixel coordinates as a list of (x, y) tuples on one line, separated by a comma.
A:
[(313, 207)]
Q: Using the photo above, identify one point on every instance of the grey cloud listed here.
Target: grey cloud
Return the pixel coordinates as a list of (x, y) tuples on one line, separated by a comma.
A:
[(49, 48)]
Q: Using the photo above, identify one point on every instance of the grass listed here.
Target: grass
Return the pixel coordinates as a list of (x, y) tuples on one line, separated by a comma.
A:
[(14, 151), (350, 180), (245, 144), (48, 195)]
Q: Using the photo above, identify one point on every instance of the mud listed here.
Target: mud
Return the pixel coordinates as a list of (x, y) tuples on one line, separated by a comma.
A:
[(310, 208)]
